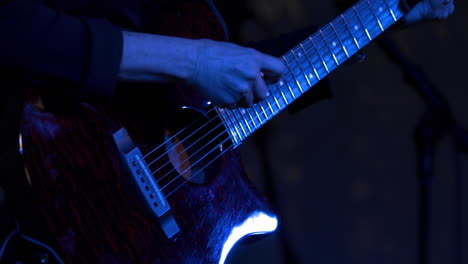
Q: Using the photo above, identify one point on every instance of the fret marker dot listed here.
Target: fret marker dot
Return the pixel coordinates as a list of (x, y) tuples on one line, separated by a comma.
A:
[(281, 83), (334, 43), (243, 111), (380, 9), (311, 76), (299, 54), (356, 27), (268, 94)]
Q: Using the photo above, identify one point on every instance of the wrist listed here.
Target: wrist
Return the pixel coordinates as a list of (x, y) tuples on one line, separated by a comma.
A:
[(155, 58)]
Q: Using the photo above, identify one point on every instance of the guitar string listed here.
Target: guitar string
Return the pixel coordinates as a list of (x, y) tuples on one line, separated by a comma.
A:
[(187, 148), (201, 169), (203, 146), (325, 38), (289, 73), (222, 152), (180, 142), (175, 135)]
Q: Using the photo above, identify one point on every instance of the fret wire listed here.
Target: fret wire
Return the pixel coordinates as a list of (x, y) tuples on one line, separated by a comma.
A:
[(247, 121), (255, 111), (352, 33), (316, 65), (368, 24), (282, 94), (277, 103), (296, 60), (229, 125), (274, 93), (263, 109), (251, 117), (375, 15), (383, 13), (356, 27), (291, 91), (324, 64), (234, 125), (345, 36), (338, 37), (269, 105), (328, 45), (292, 75), (323, 49), (310, 61), (377, 10), (299, 67), (333, 41), (369, 19), (303, 72), (307, 52), (360, 19), (388, 17), (237, 132), (346, 23), (391, 11), (327, 37), (230, 116), (242, 111), (239, 121)]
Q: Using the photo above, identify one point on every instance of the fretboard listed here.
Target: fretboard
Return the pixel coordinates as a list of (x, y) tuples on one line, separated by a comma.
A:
[(312, 60)]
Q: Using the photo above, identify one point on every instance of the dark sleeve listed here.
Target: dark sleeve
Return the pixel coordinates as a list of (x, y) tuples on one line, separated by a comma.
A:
[(47, 46)]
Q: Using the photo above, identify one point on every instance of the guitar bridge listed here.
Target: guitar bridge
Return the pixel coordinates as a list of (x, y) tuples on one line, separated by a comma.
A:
[(145, 182)]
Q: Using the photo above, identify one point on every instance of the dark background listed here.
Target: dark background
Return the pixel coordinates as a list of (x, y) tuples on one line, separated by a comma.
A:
[(345, 169)]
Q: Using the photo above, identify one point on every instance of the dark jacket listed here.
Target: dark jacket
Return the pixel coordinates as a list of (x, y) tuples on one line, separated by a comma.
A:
[(70, 47), (54, 46)]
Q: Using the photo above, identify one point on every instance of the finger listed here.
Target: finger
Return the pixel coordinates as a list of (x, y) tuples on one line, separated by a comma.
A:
[(247, 98), (260, 90), (417, 13), (271, 78), (272, 66), (448, 9)]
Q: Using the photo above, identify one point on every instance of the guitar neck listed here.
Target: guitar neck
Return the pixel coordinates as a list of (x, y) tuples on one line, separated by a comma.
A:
[(312, 60)]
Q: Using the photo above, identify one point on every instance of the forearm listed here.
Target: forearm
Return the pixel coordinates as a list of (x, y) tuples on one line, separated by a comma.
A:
[(222, 72), (157, 58)]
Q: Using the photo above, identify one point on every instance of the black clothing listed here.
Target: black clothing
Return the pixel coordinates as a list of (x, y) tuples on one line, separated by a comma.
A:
[(73, 46), (42, 45), (70, 47)]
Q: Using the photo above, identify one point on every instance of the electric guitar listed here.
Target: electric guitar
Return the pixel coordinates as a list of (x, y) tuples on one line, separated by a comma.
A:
[(158, 182)]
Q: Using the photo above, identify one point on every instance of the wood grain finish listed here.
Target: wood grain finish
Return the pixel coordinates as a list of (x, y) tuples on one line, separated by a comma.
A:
[(97, 217)]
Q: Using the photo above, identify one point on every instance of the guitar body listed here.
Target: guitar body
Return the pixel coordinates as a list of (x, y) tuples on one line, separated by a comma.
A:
[(85, 192), (98, 213)]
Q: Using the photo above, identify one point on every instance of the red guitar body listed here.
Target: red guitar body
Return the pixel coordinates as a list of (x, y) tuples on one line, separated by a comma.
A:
[(84, 192)]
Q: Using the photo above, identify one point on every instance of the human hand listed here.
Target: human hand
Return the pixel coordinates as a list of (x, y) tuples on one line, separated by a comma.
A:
[(233, 76), (430, 10)]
